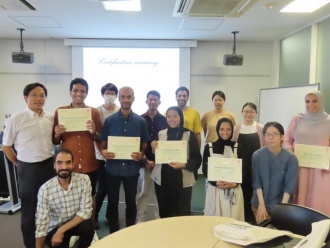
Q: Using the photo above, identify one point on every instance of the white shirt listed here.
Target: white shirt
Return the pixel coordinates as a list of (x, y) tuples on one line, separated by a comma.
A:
[(31, 135), (104, 114), (57, 206), (249, 129)]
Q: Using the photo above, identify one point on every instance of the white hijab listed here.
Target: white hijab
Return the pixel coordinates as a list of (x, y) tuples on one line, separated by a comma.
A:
[(313, 128), (318, 117)]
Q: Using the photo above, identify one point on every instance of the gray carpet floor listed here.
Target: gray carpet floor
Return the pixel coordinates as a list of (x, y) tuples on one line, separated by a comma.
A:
[(11, 237)]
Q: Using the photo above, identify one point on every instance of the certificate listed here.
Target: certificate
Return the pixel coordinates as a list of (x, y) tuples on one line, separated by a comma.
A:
[(224, 169), (171, 151), (123, 146), (316, 157), (74, 119)]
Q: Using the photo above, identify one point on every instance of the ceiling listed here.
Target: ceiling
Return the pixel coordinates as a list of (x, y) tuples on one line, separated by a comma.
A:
[(59, 19)]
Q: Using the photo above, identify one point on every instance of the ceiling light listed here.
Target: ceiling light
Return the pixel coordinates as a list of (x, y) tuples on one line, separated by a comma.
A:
[(304, 5), (122, 5)]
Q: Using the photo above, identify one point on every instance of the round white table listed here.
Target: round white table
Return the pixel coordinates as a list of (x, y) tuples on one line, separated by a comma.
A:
[(181, 232)]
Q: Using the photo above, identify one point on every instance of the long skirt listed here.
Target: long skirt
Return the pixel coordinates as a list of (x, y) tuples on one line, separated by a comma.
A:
[(225, 203)]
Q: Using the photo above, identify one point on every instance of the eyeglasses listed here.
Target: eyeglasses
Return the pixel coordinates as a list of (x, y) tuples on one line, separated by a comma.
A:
[(79, 91), (248, 112), (268, 135), (38, 96)]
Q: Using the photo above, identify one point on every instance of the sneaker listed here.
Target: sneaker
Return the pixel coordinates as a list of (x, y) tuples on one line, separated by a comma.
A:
[(73, 240), (96, 225)]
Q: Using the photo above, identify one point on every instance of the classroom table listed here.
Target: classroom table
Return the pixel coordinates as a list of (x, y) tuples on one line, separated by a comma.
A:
[(181, 232)]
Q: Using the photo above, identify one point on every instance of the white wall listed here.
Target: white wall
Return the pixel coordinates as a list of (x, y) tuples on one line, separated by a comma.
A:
[(240, 84), (53, 68)]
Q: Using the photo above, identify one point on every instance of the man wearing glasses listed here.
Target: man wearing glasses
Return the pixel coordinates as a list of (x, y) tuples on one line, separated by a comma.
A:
[(30, 131), (80, 143)]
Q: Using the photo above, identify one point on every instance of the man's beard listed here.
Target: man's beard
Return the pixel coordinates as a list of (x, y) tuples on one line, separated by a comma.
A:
[(64, 175)]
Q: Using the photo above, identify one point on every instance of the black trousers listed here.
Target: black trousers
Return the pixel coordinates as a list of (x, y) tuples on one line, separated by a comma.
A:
[(84, 230), (173, 199), (101, 188), (130, 188), (30, 178)]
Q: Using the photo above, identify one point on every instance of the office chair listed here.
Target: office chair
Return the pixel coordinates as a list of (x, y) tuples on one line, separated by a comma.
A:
[(294, 218)]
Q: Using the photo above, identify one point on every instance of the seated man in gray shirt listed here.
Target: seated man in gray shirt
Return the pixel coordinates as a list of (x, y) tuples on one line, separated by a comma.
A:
[(64, 206)]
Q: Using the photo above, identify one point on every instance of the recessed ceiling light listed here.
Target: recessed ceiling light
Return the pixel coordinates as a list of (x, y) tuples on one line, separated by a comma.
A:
[(122, 5), (304, 5)]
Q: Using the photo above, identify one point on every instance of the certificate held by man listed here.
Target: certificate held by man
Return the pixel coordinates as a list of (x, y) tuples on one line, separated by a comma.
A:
[(74, 119), (171, 151), (310, 156), (123, 147), (224, 169)]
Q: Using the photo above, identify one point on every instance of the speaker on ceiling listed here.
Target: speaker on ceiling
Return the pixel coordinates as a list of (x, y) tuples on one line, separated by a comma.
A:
[(230, 59), (22, 57)]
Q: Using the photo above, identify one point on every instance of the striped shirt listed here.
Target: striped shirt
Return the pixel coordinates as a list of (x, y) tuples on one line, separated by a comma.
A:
[(57, 206)]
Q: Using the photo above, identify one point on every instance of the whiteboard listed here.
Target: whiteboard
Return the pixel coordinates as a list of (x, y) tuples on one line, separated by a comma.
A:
[(281, 104)]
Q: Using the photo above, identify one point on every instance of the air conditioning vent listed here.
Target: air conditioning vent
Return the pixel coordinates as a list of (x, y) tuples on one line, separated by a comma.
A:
[(211, 8), (15, 5)]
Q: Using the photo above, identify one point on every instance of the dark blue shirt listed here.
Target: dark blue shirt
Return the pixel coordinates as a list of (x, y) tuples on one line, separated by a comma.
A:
[(154, 125), (118, 125)]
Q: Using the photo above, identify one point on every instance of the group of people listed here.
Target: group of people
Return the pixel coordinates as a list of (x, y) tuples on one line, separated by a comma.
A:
[(59, 197), (270, 170)]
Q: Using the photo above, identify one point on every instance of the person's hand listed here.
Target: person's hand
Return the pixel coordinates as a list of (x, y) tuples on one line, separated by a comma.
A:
[(108, 155), (154, 145), (326, 170), (57, 238), (176, 165), (225, 185), (136, 156), (90, 125), (59, 129), (262, 213), (150, 164)]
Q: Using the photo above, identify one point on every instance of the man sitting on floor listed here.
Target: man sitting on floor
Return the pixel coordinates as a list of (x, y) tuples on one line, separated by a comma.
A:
[(64, 206)]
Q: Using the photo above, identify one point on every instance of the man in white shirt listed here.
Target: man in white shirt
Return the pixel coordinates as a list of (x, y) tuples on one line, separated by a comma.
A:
[(109, 93), (30, 131), (64, 206)]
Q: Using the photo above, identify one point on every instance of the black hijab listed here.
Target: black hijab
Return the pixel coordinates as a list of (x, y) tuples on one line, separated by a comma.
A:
[(219, 145), (176, 133)]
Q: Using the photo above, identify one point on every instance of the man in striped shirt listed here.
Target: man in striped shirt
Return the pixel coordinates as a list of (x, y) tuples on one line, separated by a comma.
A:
[(64, 206)]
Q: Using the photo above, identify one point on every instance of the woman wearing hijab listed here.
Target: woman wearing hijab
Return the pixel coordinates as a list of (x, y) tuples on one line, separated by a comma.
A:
[(174, 181), (311, 128), (222, 198), (249, 137)]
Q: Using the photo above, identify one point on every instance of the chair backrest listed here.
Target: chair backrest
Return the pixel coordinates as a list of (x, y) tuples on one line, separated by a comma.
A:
[(295, 218)]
